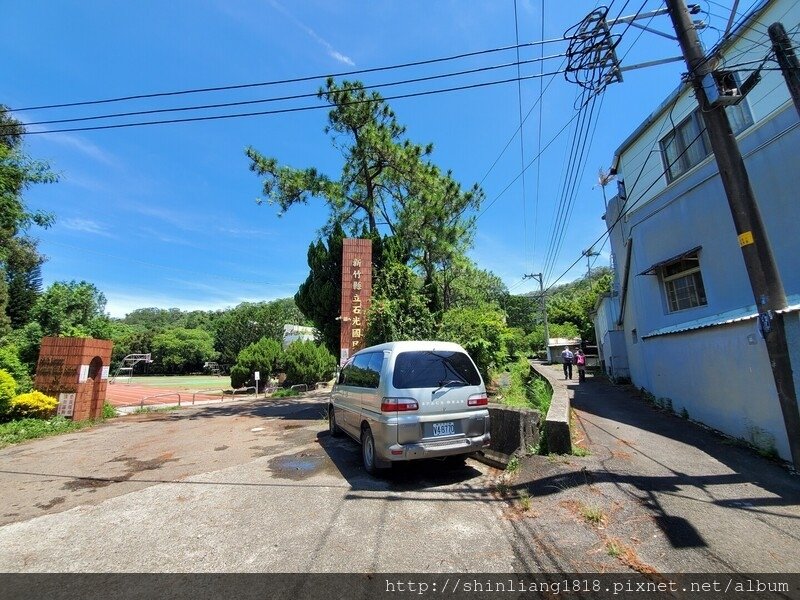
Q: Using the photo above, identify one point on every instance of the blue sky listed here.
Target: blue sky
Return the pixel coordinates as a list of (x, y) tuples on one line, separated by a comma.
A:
[(165, 215)]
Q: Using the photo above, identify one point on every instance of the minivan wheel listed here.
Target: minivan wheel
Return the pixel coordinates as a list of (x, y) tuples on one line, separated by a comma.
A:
[(333, 428), (368, 451)]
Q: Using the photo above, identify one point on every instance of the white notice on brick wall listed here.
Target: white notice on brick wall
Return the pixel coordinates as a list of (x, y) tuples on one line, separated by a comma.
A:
[(104, 373), (66, 404), (83, 374)]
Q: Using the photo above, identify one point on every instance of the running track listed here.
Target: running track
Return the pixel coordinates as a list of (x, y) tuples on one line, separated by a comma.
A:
[(123, 394)]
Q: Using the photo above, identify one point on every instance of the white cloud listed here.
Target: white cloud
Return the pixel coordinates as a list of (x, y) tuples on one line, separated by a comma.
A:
[(86, 226), (332, 52), (77, 143)]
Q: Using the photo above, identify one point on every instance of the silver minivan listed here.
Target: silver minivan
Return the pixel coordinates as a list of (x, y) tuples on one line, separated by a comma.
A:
[(410, 400)]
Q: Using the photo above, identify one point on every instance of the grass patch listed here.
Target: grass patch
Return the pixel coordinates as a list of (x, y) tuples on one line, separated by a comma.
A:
[(284, 393), (541, 394), (592, 514), (580, 451), (513, 465), (614, 548), (524, 500), (109, 412), (30, 429), (143, 410)]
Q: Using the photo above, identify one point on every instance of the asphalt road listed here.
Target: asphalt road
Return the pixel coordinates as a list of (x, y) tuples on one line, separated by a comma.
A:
[(254, 486), (260, 486)]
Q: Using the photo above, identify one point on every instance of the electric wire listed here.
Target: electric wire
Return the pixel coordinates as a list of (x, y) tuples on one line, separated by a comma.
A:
[(287, 110), (285, 81), (290, 97)]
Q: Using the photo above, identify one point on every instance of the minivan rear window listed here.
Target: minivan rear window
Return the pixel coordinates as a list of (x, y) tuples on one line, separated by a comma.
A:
[(433, 368)]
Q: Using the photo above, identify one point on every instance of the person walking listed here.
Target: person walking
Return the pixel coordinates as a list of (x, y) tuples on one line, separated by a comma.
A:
[(580, 360), (567, 357)]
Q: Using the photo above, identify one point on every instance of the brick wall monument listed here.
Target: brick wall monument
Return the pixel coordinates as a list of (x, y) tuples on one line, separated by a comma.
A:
[(75, 371), (356, 294)]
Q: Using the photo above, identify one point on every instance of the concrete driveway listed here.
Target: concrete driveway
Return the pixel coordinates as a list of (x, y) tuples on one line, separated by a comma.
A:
[(249, 486)]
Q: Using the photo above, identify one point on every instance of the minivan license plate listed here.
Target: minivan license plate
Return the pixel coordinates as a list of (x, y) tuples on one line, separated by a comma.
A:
[(444, 429)]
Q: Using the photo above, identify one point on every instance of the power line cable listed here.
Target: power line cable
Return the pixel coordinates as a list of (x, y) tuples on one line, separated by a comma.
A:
[(288, 110), (285, 81), (623, 213), (286, 98)]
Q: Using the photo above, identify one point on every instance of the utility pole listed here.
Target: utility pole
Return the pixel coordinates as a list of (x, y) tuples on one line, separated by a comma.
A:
[(589, 254), (538, 277), (787, 60), (762, 271)]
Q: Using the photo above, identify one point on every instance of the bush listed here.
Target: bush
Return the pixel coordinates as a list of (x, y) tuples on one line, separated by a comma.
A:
[(285, 393), (265, 356), (11, 363), (33, 405), (481, 331), (109, 411), (8, 389), (306, 362)]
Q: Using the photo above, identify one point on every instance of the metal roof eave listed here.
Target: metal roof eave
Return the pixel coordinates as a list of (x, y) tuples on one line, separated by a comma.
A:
[(653, 268), (727, 318)]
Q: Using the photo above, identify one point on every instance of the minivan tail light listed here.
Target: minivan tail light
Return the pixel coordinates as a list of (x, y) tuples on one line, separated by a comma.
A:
[(477, 400), (398, 405)]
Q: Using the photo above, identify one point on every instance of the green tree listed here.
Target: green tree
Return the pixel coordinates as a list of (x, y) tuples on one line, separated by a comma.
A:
[(307, 362), (482, 332), (399, 310), (523, 311), (574, 302), (463, 284), (72, 309), (385, 180), (265, 356), (179, 351), (237, 328), (17, 173), (319, 296), (365, 130), (24, 279)]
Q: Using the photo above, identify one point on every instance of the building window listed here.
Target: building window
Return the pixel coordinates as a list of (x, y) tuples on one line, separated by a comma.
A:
[(683, 283), (685, 146)]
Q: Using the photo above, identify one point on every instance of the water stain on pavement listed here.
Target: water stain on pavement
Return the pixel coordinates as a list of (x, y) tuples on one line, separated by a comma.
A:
[(55, 501), (298, 466), (133, 465)]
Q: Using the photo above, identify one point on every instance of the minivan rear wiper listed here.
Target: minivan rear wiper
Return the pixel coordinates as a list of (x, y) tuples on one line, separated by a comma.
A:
[(448, 383)]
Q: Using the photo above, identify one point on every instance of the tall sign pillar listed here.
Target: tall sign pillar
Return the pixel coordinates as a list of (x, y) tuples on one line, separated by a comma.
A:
[(356, 293)]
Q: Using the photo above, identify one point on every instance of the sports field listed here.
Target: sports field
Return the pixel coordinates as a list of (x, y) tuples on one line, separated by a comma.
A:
[(177, 382), (154, 391)]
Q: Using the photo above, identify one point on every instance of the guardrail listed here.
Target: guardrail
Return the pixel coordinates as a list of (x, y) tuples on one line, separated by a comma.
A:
[(141, 403), (297, 388), (220, 392), (245, 390)]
